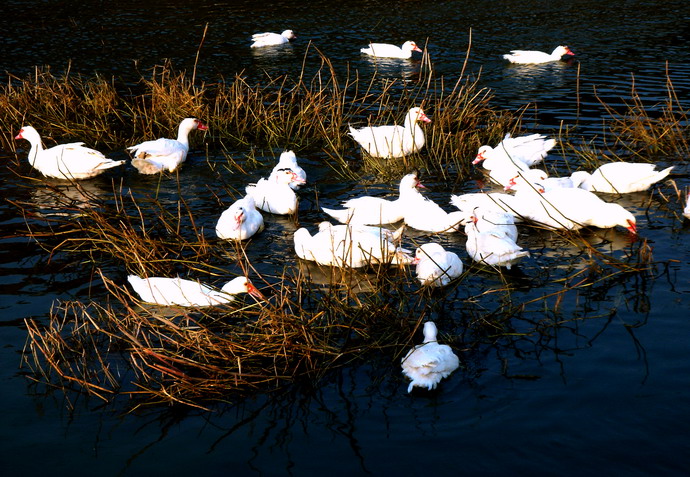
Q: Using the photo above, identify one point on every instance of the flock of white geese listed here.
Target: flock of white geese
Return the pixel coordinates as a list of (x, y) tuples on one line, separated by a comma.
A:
[(359, 240)]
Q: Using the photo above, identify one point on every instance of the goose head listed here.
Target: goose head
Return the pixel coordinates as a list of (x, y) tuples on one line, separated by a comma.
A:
[(411, 46), (241, 285)]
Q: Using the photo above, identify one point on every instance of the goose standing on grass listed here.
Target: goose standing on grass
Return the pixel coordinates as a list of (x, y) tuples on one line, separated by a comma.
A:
[(240, 221), (620, 177), (370, 210), (426, 364), (288, 160), (385, 50), (272, 39), (571, 209), (66, 161), (274, 195), (393, 141), (436, 267), (534, 57), (348, 246), (493, 247), (152, 157), (177, 291)]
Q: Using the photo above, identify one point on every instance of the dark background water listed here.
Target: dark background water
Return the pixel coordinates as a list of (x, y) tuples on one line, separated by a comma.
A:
[(606, 391)]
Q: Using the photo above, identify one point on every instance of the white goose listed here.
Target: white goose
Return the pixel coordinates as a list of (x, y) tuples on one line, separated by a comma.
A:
[(620, 177), (393, 141), (428, 363), (424, 214), (495, 201), (532, 57), (493, 247), (486, 220), (531, 177), (436, 267), (152, 157), (370, 210), (686, 210), (240, 221), (288, 160), (65, 161), (271, 39), (177, 291), (385, 50), (347, 246), (275, 195), (571, 209), (523, 150)]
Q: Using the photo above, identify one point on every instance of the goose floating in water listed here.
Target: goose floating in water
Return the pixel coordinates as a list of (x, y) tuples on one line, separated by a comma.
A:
[(436, 267), (177, 291), (240, 221), (274, 195), (385, 50), (393, 141), (528, 150), (260, 40), (426, 364), (66, 161), (348, 246), (620, 177), (571, 209), (288, 160), (534, 57), (426, 215), (152, 157), (368, 210), (494, 247)]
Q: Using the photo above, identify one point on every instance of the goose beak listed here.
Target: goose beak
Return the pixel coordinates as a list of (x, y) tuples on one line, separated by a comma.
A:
[(253, 291), (632, 227), (19, 136), (239, 218), (422, 116), (201, 126), (478, 159)]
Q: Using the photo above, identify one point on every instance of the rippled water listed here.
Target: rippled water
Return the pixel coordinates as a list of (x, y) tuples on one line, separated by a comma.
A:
[(605, 393)]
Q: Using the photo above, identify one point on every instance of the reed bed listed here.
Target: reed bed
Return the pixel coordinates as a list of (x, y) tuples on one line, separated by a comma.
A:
[(302, 331)]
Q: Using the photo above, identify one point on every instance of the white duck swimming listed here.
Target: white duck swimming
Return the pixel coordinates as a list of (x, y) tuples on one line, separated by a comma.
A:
[(496, 201), (428, 363), (393, 141), (370, 210), (523, 150), (531, 177), (620, 177), (488, 219), (493, 247), (385, 50), (288, 160), (275, 195), (240, 221), (424, 214), (532, 57), (571, 209), (348, 246), (271, 39), (65, 161), (152, 157), (436, 267), (177, 291)]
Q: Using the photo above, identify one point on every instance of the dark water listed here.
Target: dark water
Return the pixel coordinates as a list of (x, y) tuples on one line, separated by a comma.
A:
[(598, 384)]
